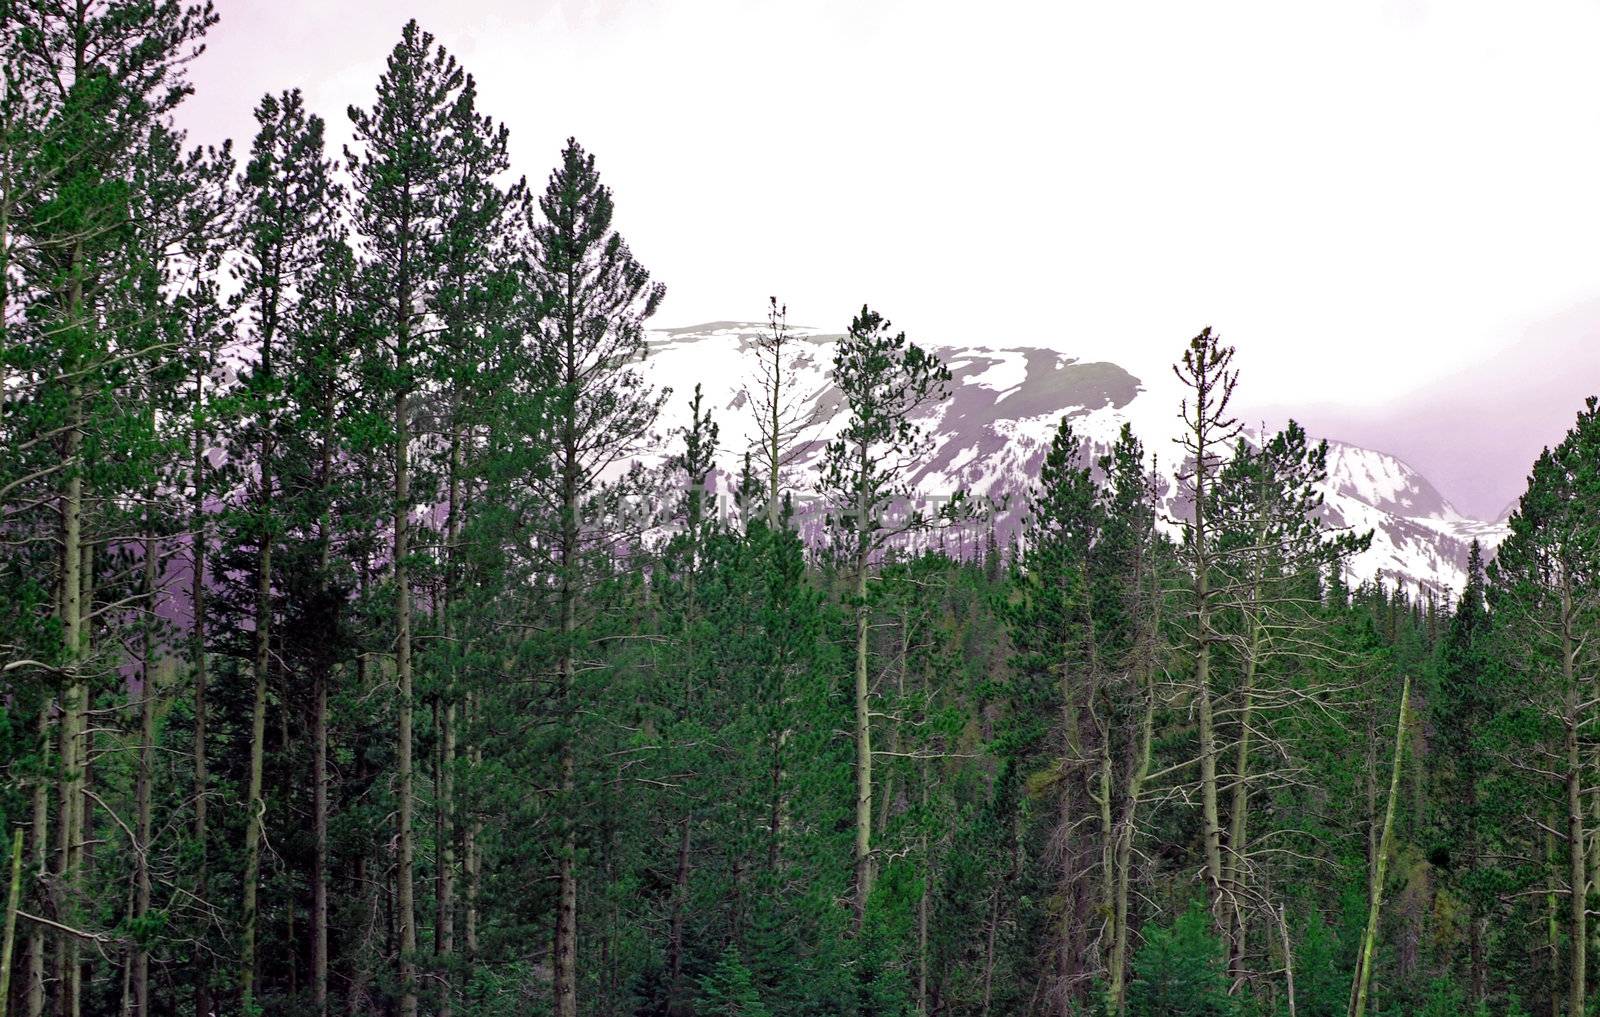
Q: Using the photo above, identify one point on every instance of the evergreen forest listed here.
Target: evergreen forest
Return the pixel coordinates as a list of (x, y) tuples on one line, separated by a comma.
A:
[(369, 646)]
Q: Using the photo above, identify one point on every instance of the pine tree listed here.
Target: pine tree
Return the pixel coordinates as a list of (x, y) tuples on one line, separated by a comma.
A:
[(776, 409), (1132, 565), (183, 202), (866, 475), (1052, 624), (289, 199), (1207, 370), (1272, 552), (1546, 599), (593, 299), (729, 992), (89, 91), (1464, 703), (1181, 971), (397, 178), (478, 309)]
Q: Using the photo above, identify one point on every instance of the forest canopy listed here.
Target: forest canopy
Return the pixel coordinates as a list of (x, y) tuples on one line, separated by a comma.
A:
[(342, 672)]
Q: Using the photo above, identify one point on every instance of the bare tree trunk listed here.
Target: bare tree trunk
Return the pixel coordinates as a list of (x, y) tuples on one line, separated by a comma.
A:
[(1126, 827), (567, 906), (70, 783), (1577, 963), (1238, 811), (445, 912), (991, 948), (366, 882), (445, 817), (319, 737), (262, 645), (891, 721), (863, 724), (566, 939), (1593, 861), (202, 973), (39, 860), (319, 865), (1363, 978), (405, 902), (470, 837), (256, 804), (140, 976), (1070, 877), (1212, 825), (774, 435), (770, 416), (1206, 369), (1288, 957), (9, 938), (81, 856), (924, 903), (1552, 923)]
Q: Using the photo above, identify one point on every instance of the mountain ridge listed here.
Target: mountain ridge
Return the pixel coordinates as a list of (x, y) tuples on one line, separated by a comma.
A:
[(1006, 401)]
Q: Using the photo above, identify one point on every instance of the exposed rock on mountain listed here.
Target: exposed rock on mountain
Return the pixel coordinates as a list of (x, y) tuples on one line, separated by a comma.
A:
[(1007, 400)]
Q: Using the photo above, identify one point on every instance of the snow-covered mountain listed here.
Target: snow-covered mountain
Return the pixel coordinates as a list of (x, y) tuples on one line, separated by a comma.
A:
[(1007, 401)]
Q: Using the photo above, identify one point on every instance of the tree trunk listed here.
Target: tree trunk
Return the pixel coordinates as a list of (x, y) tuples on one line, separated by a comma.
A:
[(70, 783), (262, 645), (1363, 978), (1552, 923), (319, 864), (1210, 819), (365, 881), (774, 434), (8, 939), (1288, 957), (469, 846), (1238, 810), (1070, 922), (445, 783), (405, 902), (256, 805), (566, 938), (40, 859), (202, 969), (863, 723), (566, 949), (924, 902), (1126, 826), (145, 777), (1206, 360), (1593, 861), (80, 841), (1577, 963), (887, 793), (445, 909), (989, 953), (680, 906)]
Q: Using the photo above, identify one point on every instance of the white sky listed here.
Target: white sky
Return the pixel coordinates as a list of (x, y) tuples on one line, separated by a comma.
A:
[(1363, 195)]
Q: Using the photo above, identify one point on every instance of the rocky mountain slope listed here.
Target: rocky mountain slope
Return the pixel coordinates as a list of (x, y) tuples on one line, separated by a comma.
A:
[(1006, 403)]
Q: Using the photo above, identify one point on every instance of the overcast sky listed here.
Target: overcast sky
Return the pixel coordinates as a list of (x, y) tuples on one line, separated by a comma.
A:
[(1391, 207)]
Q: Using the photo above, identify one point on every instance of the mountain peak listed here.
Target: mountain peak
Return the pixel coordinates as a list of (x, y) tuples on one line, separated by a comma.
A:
[(1005, 404)]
